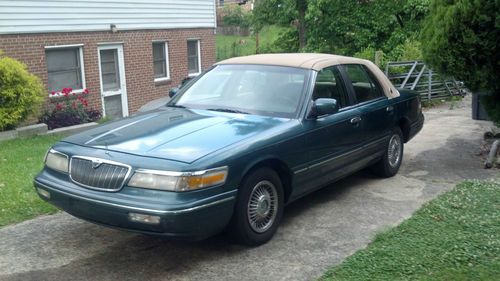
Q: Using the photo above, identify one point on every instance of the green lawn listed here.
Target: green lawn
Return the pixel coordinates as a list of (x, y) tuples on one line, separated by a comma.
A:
[(20, 160), (233, 46), (454, 237)]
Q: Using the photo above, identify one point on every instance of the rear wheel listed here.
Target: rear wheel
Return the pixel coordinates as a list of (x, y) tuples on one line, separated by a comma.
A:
[(259, 207), (389, 165)]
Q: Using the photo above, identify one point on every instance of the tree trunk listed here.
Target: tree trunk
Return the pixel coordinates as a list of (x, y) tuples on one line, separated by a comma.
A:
[(257, 42), (302, 7)]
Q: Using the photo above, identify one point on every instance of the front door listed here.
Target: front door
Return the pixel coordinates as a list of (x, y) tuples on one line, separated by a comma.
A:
[(333, 142), (113, 86)]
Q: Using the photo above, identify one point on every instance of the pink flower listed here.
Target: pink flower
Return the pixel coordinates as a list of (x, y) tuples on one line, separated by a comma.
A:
[(66, 91), (86, 91), (59, 106), (53, 93)]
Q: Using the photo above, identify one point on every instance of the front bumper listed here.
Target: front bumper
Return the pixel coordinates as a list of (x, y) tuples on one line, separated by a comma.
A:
[(196, 219)]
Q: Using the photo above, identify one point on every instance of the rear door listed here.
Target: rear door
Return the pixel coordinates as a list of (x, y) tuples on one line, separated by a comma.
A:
[(370, 100)]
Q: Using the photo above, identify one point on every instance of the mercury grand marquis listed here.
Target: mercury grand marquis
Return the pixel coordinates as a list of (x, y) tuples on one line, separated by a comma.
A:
[(233, 147)]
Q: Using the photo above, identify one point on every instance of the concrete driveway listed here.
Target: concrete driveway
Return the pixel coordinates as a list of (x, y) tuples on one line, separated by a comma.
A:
[(318, 231)]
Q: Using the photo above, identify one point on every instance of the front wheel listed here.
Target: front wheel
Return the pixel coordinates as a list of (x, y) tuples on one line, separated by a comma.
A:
[(389, 165), (259, 207)]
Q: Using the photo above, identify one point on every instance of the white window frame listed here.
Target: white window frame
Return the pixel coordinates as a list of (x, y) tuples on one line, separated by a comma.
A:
[(82, 65), (198, 46), (167, 61)]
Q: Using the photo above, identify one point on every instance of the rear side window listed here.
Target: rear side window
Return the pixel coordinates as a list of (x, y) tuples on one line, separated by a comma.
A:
[(329, 85), (365, 87)]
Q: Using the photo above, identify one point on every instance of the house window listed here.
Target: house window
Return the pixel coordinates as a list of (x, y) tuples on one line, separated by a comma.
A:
[(160, 61), (194, 61), (65, 68)]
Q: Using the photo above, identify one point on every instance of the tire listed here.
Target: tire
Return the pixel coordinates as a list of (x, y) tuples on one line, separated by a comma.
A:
[(389, 165), (259, 207)]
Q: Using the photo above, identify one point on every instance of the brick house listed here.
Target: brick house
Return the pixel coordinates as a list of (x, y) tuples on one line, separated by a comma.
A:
[(125, 52)]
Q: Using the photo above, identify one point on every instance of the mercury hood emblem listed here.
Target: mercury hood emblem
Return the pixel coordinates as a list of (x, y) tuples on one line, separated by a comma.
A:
[(96, 163)]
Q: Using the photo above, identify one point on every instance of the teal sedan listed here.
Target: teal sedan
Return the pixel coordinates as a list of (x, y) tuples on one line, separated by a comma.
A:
[(233, 147)]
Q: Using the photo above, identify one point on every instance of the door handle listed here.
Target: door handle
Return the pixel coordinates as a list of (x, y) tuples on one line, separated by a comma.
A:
[(389, 108), (355, 120)]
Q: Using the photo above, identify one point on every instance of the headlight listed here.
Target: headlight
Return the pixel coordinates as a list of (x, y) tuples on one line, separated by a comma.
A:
[(57, 160), (177, 181)]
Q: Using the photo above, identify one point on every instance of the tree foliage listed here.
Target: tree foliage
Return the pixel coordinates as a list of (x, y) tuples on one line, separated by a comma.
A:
[(233, 15), (21, 92), (461, 38), (291, 13), (347, 27), (278, 12)]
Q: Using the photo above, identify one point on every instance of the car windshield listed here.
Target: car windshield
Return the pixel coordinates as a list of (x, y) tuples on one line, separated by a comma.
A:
[(253, 89)]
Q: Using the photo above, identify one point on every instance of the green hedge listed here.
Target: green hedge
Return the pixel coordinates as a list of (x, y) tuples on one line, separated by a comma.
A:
[(21, 92)]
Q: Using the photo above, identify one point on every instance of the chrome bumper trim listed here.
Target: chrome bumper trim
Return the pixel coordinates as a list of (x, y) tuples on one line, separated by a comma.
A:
[(153, 211)]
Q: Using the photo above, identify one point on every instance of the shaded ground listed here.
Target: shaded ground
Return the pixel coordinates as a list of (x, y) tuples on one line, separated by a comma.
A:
[(318, 231)]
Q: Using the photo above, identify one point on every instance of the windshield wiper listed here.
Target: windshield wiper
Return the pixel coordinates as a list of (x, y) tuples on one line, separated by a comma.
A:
[(228, 110)]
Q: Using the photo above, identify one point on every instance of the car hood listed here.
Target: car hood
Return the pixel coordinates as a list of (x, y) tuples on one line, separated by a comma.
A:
[(175, 134)]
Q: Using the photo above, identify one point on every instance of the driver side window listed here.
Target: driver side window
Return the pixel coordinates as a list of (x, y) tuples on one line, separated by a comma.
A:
[(329, 85)]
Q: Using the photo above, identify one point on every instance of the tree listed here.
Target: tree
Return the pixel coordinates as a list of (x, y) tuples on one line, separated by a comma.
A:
[(346, 27), (233, 15), (461, 38), (349, 26), (301, 6), (284, 13)]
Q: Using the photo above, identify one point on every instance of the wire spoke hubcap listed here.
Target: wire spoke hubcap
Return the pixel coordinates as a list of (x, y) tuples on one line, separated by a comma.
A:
[(394, 151), (262, 206)]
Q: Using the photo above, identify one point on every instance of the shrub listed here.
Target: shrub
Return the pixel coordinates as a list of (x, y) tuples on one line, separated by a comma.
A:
[(287, 41), (68, 109), (410, 50), (235, 16), (461, 39), (21, 92)]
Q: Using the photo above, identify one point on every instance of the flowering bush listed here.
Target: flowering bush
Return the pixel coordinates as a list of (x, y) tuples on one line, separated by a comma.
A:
[(67, 108)]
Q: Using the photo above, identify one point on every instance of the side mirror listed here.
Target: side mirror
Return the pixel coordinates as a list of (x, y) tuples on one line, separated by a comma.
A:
[(322, 107), (173, 92), (185, 81)]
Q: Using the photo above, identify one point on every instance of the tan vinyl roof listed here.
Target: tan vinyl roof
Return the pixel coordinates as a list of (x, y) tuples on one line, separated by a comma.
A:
[(301, 60), (315, 62)]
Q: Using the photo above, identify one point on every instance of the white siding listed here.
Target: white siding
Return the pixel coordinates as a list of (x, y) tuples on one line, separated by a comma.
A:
[(40, 16)]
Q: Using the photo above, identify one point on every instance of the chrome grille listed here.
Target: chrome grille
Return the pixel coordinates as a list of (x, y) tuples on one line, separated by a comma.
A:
[(98, 173)]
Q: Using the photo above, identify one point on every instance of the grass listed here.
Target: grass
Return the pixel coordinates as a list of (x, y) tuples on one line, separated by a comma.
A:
[(453, 237), (20, 160), (233, 46)]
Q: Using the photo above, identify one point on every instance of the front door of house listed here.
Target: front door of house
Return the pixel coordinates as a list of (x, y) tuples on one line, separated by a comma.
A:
[(113, 86)]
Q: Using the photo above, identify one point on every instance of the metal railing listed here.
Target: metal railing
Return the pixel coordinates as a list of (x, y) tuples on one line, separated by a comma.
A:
[(415, 75)]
